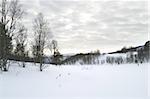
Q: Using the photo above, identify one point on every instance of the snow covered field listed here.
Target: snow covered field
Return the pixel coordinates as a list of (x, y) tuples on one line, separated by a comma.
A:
[(128, 81)]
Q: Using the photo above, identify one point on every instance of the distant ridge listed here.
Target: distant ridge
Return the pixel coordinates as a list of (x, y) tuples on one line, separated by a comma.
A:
[(79, 56), (132, 49)]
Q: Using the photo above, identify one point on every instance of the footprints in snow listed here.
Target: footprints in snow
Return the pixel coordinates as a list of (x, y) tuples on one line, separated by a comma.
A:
[(60, 75)]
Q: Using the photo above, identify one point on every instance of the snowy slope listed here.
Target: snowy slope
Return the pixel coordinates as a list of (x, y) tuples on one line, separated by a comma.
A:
[(128, 81)]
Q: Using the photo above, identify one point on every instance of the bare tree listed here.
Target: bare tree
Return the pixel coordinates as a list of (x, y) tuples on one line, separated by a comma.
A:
[(57, 57), (21, 42), (41, 31), (53, 46), (10, 13)]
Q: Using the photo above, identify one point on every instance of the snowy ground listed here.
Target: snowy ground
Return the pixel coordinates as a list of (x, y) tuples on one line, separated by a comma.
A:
[(76, 82)]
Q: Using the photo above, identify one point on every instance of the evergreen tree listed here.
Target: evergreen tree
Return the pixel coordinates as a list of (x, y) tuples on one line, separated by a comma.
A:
[(10, 13), (5, 47)]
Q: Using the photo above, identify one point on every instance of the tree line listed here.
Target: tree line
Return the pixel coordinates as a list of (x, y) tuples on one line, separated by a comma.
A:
[(137, 55)]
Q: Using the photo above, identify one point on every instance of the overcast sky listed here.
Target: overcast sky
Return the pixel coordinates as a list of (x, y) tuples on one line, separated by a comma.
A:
[(85, 25)]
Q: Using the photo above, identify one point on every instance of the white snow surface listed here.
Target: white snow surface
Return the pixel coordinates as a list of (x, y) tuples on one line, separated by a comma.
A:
[(127, 81)]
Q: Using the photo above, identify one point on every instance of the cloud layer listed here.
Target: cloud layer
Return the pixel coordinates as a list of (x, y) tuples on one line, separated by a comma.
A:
[(88, 25)]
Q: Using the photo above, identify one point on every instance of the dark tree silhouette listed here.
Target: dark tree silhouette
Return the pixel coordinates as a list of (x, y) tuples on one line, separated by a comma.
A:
[(10, 13)]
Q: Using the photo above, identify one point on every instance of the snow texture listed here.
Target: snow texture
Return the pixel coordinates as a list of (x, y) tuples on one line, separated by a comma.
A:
[(127, 81)]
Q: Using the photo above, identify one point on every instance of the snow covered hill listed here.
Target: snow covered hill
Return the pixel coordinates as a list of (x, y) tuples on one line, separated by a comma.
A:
[(117, 58), (128, 81)]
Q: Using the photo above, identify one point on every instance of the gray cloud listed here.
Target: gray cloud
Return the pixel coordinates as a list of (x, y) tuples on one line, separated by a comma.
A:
[(88, 25)]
